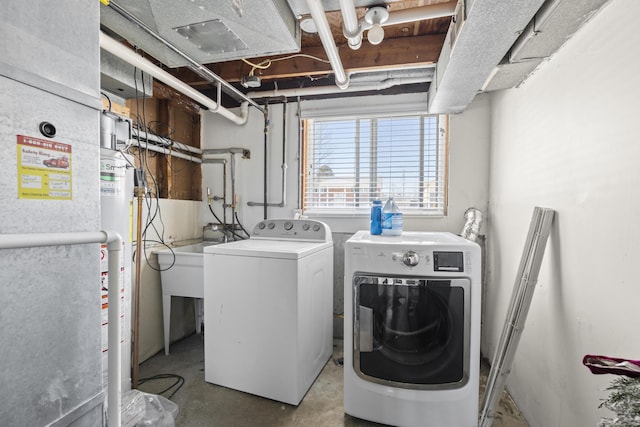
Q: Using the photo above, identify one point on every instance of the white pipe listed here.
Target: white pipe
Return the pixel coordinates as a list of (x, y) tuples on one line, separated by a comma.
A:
[(114, 396), (324, 90), (350, 26), (114, 246), (415, 14), (433, 11), (142, 135), (146, 146), (128, 55), (324, 31)]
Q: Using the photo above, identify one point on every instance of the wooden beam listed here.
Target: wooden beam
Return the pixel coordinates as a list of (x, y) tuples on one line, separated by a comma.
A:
[(392, 53)]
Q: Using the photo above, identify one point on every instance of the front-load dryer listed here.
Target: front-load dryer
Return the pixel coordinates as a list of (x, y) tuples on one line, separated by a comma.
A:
[(412, 329), (269, 309)]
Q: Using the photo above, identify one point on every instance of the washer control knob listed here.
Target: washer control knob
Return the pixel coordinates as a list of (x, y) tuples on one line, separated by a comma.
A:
[(316, 227), (261, 225), (410, 259), (305, 226), (272, 226), (288, 225)]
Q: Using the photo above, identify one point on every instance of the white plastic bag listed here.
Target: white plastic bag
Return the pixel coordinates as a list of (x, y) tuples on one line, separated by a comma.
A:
[(144, 409)]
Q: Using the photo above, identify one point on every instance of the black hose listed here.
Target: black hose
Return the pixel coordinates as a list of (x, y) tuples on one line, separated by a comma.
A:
[(241, 226), (226, 227)]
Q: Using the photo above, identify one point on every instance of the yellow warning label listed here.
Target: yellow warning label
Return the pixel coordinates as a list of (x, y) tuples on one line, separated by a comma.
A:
[(44, 169)]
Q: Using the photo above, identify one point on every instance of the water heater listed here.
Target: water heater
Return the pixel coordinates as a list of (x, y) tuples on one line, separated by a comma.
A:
[(116, 195)]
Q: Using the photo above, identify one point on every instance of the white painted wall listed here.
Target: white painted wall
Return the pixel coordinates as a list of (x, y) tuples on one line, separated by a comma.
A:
[(468, 167), (468, 160), (568, 140)]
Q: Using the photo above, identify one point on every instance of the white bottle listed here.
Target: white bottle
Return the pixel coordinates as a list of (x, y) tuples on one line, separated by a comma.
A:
[(391, 219)]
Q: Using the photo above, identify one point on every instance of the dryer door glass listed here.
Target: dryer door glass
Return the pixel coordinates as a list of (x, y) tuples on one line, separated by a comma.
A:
[(412, 332)]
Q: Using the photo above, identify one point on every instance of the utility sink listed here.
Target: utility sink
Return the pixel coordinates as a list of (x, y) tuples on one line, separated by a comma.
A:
[(181, 275)]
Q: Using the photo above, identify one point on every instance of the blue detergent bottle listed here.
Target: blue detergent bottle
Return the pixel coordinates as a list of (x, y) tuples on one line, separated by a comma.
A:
[(376, 218)]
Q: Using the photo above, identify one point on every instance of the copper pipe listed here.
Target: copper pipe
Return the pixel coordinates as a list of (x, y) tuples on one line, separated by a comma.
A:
[(140, 192)]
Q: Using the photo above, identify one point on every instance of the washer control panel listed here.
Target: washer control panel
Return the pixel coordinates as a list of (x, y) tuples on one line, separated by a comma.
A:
[(298, 229)]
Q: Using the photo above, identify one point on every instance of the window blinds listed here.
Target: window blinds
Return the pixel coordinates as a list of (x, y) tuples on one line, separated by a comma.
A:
[(350, 162)]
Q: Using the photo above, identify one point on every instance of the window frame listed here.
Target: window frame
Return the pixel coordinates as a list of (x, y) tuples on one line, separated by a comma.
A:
[(363, 211)]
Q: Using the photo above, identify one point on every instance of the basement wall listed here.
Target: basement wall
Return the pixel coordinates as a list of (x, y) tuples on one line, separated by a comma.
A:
[(468, 168), (568, 139)]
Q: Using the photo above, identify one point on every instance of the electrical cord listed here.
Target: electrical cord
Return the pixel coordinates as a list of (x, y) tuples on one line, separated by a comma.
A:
[(143, 159), (108, 99), (178, 383), (263, 65)]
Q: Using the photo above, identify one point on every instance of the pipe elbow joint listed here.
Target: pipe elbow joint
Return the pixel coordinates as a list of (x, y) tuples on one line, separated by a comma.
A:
[(354, 38), (342, 84), (113, 240)]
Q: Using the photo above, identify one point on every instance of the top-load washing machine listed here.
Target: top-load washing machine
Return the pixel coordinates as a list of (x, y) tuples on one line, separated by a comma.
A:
[(412, 329), (269, 309)]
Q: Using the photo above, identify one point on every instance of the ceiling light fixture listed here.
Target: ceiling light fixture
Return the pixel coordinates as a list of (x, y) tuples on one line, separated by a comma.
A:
[(376, 16)]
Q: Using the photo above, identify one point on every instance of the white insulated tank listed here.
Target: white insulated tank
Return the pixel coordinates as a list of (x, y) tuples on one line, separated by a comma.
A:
[(116, 196)]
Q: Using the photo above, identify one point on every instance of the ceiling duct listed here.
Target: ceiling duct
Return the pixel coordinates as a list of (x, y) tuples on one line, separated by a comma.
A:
[(207, 31), (118, 78), (472, 49), (551, 27)]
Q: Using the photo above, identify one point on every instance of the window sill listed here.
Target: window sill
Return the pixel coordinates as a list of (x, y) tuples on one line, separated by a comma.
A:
[(350, 223)]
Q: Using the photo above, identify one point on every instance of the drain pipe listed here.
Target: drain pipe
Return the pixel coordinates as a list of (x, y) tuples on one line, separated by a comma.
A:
[(266, 137), (440, 10), (284, 163), (114, 246), (128, 55), (330, 48), (350, 27), (211, 198), (299, 154)]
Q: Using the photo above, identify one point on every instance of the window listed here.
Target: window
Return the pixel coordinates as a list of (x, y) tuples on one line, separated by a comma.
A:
[(350, 162)]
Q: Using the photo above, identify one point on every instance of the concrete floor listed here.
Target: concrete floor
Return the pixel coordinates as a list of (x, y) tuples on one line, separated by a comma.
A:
[(203, 404)]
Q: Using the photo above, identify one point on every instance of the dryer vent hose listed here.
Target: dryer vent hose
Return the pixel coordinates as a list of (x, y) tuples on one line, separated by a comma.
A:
[(472, 225)]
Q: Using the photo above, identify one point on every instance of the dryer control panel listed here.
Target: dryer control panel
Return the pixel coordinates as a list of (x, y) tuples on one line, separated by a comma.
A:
[(294, 229)]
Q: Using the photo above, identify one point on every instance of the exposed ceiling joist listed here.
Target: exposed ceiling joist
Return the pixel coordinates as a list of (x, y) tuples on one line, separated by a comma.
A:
[(469, 51), (393, 54)]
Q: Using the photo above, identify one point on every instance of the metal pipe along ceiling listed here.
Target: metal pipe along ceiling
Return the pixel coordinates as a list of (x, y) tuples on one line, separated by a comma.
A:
[(351, 28), (324, 31), (323, 90), (128, 55), (433, 11)]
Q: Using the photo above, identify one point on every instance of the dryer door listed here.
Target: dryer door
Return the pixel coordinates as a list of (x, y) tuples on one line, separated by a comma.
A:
[(412, 332)]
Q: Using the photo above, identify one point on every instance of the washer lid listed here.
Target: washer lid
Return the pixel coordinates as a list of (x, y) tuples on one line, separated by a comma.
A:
[(258, 248)]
